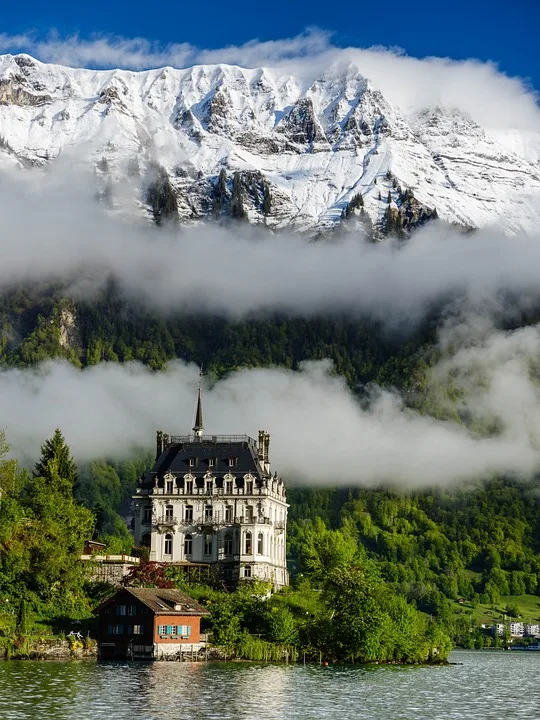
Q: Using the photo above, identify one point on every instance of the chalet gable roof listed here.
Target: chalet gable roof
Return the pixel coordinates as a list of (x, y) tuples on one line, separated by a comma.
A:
[(161, 601)]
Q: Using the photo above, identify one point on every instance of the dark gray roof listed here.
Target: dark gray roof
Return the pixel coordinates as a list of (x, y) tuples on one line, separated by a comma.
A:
[(176, 457)]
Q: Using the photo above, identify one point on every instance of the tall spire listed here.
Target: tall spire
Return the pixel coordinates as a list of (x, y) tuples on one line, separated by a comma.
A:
[(198, 428)]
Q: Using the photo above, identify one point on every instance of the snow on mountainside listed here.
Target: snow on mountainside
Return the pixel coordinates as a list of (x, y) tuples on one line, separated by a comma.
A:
[(303, 151)]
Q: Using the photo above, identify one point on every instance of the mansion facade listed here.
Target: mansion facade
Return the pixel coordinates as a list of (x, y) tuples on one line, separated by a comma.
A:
[(212, 500)]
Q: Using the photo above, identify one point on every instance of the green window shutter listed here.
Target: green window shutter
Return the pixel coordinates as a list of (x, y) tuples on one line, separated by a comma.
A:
[(169, 629), (188, 630)]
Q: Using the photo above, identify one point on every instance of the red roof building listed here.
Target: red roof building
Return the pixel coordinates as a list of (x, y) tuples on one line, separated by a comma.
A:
[(149, 624)]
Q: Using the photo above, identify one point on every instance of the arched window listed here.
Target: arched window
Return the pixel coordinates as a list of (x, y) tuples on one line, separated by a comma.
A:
[(188, 545), (228, 544), (208, 542), (167, 545), (248, 544), (260, 544)]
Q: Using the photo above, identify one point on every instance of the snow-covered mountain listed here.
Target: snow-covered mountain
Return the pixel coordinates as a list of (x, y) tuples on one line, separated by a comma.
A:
[(300, 151)]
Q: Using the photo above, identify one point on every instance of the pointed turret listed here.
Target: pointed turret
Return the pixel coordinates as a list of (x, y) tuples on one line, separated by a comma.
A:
[(198, 428)]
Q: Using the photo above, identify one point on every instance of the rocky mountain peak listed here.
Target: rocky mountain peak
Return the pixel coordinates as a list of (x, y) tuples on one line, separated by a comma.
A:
[(315, 144)]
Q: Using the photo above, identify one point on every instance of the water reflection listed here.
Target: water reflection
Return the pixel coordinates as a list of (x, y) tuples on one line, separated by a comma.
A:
[(482, 688)]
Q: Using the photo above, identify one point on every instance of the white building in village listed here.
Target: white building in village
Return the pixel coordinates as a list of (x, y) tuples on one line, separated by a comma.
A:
[(212, 500)]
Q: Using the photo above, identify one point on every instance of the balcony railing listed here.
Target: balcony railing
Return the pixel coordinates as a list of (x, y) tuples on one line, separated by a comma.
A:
[(212, 439), (167, 520)]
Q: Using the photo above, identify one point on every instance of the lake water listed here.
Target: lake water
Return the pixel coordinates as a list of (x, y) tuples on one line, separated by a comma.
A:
[(486, 685)]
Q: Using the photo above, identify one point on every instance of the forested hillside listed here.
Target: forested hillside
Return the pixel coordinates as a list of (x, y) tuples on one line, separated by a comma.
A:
[(478, 542), (42, 324)]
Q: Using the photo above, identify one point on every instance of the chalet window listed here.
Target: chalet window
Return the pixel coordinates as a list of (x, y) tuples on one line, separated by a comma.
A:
[(247, 571), (189, 487), (247, 543), (184, 630), (188, 545), (167, 545), (188, 513), (208, 512), (229, 487), (208, 543), (233, 462), (228, 544), (135, 629), (169, 513), (260, 544), (209, 487), (169, 487), (131, 609), (115, 629), (228, 513), (120, 609), (162, 630), (147, 514)]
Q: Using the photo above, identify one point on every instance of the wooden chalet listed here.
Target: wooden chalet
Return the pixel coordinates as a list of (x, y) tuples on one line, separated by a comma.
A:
[(148, 624)]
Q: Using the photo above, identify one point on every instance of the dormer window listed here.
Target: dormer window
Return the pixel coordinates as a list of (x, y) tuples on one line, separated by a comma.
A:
[(233, 461), (211, 462), (192, 462)]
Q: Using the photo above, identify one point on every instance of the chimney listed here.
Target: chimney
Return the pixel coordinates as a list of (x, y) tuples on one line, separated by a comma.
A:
[(159, 443), (260, 451), (266, 452)]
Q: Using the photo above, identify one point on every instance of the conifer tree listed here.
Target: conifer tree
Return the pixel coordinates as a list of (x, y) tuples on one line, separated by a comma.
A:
[(389, 198), (56, 454), (160, 196)]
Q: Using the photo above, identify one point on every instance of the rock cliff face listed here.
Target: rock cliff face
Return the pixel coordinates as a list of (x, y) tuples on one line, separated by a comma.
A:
[(301, 151)]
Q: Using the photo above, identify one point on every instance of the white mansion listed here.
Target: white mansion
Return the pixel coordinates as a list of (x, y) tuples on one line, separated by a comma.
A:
[(212, 500)]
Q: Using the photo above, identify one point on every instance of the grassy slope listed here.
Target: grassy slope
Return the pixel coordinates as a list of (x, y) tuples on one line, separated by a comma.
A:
[(528, 605)]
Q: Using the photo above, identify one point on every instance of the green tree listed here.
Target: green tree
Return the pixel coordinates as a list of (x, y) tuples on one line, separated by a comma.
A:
[(54, 536), (56, 460)]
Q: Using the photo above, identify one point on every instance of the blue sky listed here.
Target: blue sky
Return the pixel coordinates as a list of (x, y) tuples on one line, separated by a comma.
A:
[(504, 32)]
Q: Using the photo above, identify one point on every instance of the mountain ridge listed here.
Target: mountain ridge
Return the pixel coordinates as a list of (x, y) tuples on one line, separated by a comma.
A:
[(317, 145)]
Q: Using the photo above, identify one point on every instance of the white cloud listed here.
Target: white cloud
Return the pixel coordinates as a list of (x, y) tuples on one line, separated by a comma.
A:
[(68, 235), (320, 433), (492, 98), (50, 229)]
